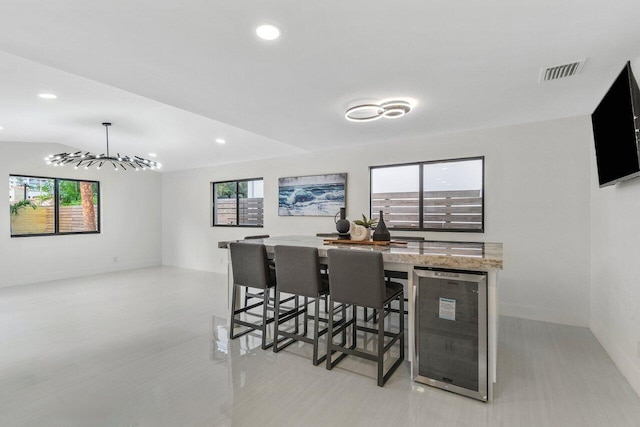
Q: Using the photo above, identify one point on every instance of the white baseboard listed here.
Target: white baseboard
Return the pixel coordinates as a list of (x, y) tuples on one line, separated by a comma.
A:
[(45, 276), (541, 314), (222, 269), (624, 362)]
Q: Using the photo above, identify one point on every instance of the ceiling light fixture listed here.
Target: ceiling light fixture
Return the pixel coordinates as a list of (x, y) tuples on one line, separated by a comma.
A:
[(47, 96), (153, 155), (220, 141), (268, 32), (371, 112), (1, 128), (88, 159)]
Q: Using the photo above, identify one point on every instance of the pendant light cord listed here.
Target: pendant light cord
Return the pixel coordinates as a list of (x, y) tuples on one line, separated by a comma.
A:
[(106, 127)]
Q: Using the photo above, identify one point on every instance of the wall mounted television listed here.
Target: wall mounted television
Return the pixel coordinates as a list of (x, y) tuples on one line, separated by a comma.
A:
[(615, 129)]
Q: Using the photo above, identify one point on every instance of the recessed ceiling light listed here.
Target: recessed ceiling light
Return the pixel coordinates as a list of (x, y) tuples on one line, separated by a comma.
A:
[(268, 32), (47, 96), (153, 155), (220, 141), (1, 128)]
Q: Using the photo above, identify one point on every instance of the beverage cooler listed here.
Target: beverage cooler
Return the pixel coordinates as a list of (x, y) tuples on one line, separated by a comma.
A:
[(451, 331)]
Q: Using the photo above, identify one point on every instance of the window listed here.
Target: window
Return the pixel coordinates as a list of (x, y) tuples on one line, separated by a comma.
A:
[(238, 203), (444, 195), (41, 206)]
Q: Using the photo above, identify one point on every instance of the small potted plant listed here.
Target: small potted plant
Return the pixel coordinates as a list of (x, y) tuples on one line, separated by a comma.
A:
[(361, 229)]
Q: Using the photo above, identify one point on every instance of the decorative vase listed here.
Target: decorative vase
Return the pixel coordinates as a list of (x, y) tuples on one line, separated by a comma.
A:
[(343, 225), (381, 233), (360, 233)]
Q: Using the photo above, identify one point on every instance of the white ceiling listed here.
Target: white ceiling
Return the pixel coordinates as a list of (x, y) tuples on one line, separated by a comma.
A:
[(174, 76)]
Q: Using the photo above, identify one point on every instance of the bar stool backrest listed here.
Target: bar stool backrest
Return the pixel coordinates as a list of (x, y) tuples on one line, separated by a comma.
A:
[(356, 277), (250, 265), (298, 270)]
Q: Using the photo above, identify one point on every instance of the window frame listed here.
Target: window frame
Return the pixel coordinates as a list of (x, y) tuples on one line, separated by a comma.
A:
[(421, 192), (213, 203), (56, 208)]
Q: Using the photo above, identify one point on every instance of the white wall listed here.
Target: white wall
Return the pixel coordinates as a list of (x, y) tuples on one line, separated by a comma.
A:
[(615, 272), (130, 215), (537, 203)]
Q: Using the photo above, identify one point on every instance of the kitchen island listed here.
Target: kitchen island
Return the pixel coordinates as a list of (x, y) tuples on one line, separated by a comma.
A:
[(465, 256)]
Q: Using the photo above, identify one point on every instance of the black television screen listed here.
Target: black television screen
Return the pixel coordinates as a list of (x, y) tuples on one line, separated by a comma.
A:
[(614, 130)]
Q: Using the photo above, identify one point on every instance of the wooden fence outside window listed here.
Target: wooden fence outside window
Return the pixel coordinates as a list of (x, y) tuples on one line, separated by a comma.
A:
[(251, 211), (41, 220), (458, 210)]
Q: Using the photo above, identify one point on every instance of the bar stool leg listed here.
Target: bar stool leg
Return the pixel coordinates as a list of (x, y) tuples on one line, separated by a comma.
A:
[(401, 327), (354, 327), (344, 319), (380, 351), (316, 332), (296, 329), (305, 328), (276, 322), (264, 320), (233, 309), (330, 336)]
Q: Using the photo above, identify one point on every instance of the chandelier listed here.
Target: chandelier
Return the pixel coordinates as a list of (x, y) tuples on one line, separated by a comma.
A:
[(87, 159)]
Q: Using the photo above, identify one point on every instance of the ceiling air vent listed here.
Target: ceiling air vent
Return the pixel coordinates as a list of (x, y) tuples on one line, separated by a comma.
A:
[(561, 71)]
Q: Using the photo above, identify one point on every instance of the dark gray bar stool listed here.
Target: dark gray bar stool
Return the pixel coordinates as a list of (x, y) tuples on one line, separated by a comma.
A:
[(250, 267), (247, 294), (298, 273), (357, 278)]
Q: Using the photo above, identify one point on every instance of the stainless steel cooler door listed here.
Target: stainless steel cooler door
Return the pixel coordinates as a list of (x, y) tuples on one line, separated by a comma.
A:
[(451, 331)]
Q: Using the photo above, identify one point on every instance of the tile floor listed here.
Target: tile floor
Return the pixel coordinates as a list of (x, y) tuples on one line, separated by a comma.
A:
[(148, 348)]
